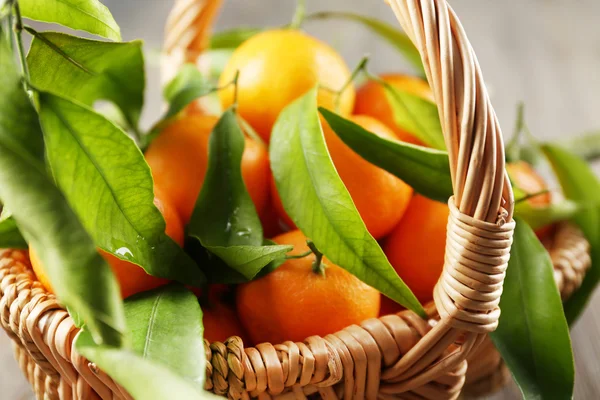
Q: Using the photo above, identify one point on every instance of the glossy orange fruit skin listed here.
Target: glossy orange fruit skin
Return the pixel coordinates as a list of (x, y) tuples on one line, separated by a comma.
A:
[(530, 182), (380, 198), (293, 302), (278, 66), (416, 246), (178, 158), (131, 277), (371, 100)]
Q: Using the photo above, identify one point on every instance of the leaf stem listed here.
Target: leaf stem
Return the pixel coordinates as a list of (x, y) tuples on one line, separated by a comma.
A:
[(297, 256), (360, 68), (299, 15), (532, 195), (18, 28), (318, 266)]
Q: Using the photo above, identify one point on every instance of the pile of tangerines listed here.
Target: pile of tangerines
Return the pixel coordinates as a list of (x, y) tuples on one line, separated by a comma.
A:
[(296, 300)]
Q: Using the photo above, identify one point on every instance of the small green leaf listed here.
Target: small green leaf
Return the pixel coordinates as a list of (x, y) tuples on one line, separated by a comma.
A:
[(10, 236), (232, 38), (108, 183), (538, 216), (80, 277), (426, 170), (580, 184), (165, 326), (88, 70), (187, 86), (87, 15), (316, 199), (533, 335), (393, 36), (224, 219), (141, 377), (416, 115)]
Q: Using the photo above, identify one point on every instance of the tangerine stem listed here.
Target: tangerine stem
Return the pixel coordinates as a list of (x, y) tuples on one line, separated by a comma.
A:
[(301, 255), (361, 67), (318, 266), (299, 15)]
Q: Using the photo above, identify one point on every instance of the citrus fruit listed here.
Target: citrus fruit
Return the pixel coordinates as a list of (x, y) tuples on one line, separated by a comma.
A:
[(380, 198), (278, 66), (527, 179), (416, 246), (371, 100), (294, 302), (178, 158), (131, 277)]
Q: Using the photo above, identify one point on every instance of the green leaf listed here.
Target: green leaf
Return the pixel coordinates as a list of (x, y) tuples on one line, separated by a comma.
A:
[(224, 219), (214, 62), (533, 335), (232, 38), (108, 183), (426, 170), (538, 216), (416, 115), (80, 277), (141, 377), (187, 86), (393, 36), (586, 146), (88, 70), (10, 236), (165, 326), (316, 199), (580, 184), (87, 15)]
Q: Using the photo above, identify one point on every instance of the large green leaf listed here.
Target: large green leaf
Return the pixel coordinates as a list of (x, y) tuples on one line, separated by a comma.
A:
[(10, 236), (224, 219), (141, 377), (393, 36), (108, 183), (86, 15), (165, 325), (538, 216), (188, 85), (416, 115), (79, 275), (89, 70), (316, 199), (580, 184), (533, 335), (232, 38), (426, 170)]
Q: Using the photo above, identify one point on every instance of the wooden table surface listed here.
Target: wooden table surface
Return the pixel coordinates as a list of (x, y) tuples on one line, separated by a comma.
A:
[(543, 52)]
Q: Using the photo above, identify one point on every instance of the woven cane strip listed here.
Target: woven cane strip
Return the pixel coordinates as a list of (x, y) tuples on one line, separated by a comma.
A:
[(570, 254)]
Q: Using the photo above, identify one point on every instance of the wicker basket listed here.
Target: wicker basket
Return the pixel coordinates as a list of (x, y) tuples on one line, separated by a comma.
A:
[(396, 356)]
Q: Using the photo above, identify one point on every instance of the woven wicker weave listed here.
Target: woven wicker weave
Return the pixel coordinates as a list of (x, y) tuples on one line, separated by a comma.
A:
[(396, 356)]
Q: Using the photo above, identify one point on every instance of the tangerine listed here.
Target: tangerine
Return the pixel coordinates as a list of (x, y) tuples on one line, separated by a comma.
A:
[(294, 302), (278, 66), (131, 277), (178, 159), (380, 198), (219, 316), (371, 100), (416, 246)]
